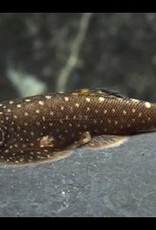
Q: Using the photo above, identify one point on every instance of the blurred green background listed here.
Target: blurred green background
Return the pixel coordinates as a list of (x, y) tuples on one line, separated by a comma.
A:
[(47, 52)]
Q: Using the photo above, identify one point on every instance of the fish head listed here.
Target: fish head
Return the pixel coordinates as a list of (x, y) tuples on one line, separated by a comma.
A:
[(2, 136), (6, 137)]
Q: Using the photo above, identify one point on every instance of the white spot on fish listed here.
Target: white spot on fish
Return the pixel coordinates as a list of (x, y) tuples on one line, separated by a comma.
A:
[(43, 118), (135, 100), (124, 112), (147, 105), (26, 114), (19, 105), (109, 121), (48, 97), (41, 102), (115, 122), (66, 98), (74, 117), (101, 99), (95, 121), (88, 99), (139, 115), (37, 123), (27, 100), (77, 105)]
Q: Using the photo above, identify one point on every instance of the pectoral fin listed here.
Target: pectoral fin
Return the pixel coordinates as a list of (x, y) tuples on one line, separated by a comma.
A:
[(105, 141), (33, 156), (30, 156)]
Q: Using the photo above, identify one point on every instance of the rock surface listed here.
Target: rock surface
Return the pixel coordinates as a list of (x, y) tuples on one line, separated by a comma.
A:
[(112, 182)]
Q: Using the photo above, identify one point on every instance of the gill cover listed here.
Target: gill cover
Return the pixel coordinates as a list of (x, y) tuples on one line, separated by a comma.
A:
[(1, 137)]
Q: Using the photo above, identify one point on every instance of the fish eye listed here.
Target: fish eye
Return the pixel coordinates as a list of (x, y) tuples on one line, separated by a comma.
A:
[(1, 137)]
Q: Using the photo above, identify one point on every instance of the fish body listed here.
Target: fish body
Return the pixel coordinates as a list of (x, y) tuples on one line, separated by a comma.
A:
[(41, 127)]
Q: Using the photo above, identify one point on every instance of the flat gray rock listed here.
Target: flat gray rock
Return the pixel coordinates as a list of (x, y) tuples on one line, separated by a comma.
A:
[(111, 182)]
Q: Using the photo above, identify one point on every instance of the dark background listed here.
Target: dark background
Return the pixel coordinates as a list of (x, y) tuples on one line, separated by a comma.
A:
[(51, 52), (112, 50)]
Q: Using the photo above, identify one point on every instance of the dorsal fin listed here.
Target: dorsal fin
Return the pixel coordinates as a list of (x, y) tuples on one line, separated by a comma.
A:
[(97, 91), (107, 92)]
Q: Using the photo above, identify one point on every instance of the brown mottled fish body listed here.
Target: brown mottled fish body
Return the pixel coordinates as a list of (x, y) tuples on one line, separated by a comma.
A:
[(36, 128)]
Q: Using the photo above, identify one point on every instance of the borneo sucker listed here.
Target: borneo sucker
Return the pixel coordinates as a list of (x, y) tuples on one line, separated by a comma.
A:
[(48, 127)]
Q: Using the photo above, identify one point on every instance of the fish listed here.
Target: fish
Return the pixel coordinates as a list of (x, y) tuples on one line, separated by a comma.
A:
[(49, 127)]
